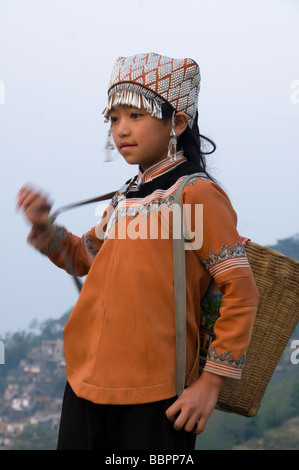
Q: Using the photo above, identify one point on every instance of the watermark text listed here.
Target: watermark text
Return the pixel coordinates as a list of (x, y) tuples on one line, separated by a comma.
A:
[(295, 354), (2, 92), (295, 94), (2, 353), (153, 221)]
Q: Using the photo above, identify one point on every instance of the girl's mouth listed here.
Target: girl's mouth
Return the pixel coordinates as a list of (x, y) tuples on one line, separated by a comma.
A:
[(126, 146)]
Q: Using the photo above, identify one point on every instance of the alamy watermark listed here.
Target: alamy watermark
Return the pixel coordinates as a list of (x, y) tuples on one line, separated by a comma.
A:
[(2, 353), (295, 94), (154, 221), (295, 354), (2, 92)]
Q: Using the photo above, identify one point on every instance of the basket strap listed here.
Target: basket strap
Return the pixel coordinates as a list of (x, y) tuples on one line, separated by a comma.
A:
[(179, 267), (123, 190)]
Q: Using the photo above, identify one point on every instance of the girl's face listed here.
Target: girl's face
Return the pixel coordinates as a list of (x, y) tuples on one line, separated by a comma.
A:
[(140, 138)]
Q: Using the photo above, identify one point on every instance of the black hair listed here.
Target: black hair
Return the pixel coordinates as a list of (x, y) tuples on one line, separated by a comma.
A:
[(192, 142)]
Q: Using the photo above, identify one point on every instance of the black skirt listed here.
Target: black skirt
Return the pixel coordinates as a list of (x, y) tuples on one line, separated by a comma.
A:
[(88, 426)]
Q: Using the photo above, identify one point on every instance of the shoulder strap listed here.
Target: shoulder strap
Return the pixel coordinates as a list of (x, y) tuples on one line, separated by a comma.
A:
[(55, 214), (179, 268), (124, 189)]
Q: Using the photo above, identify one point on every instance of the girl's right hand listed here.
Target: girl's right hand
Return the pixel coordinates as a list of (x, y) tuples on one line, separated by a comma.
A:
[(36, 207)]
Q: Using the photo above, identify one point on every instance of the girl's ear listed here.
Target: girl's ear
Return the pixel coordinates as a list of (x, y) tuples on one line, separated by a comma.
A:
[(181, 123)]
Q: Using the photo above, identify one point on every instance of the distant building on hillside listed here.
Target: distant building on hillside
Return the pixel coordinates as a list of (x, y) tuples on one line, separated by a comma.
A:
[(50, 350)]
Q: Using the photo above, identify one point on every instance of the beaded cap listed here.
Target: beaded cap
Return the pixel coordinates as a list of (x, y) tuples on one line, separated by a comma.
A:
[(149, 80)]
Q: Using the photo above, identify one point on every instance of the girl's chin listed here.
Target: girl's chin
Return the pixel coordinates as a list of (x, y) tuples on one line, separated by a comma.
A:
[(143, 163), (131, 160)]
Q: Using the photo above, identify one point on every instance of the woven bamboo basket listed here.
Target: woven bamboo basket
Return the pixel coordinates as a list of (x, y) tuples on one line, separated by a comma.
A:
[(277, 280)]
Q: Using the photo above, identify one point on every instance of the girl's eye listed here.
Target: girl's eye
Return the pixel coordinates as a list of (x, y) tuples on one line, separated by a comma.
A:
[(136, 115), (113, 119)]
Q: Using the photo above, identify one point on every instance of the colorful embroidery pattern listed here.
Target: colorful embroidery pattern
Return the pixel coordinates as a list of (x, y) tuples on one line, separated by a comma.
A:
[(226, 358), (225, 253), (54, 244), (159, 168), (227, 259), (157, 79), (201, 176), (123, 207), (145, 210), (89, 243), (128, 208)]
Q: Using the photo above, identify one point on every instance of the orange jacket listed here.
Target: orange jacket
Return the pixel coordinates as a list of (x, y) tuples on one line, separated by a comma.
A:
[(119, 341)]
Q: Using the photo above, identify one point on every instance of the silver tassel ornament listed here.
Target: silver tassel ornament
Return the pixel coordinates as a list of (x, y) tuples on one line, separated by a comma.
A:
[(109, 147), (172, 147), (131, 94)]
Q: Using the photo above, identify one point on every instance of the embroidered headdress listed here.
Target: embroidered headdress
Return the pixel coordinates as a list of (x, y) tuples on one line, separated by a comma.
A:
[(149, 80)]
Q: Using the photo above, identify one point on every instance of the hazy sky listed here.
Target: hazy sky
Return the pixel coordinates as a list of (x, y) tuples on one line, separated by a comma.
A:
[(56, 58)]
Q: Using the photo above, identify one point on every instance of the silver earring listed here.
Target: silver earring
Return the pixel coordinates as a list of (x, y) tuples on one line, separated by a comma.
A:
[(109, 147), (173, 141)]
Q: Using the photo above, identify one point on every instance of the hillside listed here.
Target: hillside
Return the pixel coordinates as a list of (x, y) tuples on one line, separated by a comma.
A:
[(285, 437), (279, 405), (32, 384), (31, 387), (276, 425), (288, 246)]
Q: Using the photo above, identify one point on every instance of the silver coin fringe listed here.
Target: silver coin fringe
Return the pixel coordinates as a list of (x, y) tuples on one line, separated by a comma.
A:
[(132, 94)]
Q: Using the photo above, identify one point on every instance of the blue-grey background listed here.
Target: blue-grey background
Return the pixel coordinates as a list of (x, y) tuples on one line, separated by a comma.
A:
[(55, 62)]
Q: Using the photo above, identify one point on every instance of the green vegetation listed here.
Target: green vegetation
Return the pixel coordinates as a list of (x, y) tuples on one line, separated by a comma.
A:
[(276, 425), (280, 404), (35, 437), (18, 345)]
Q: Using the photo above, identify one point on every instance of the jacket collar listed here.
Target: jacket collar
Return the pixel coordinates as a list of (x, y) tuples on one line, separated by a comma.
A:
[(159, 168)]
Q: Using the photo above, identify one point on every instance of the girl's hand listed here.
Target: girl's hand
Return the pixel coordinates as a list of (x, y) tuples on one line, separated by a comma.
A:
[(36, 207), (193, 408)]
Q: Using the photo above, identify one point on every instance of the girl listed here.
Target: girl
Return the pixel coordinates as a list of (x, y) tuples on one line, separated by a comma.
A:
[(120, 338)]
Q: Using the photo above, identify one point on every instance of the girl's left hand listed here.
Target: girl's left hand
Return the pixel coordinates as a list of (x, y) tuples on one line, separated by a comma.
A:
[(193, 408)]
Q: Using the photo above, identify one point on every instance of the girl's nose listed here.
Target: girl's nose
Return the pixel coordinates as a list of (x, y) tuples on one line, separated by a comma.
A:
[(123, 128)]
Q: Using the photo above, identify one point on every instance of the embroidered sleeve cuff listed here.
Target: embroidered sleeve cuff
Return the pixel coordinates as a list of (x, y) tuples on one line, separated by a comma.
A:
[(227, 259), (46, 240), (224, 364), (89, 244)]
